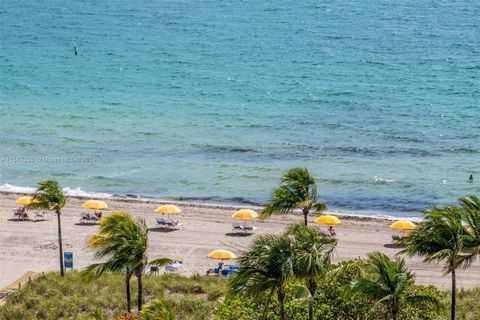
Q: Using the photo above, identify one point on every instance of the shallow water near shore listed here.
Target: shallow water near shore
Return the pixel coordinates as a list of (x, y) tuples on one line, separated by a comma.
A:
[(209, 101)]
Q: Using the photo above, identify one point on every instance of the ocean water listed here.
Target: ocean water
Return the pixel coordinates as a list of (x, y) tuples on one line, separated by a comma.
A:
[(213, 100)]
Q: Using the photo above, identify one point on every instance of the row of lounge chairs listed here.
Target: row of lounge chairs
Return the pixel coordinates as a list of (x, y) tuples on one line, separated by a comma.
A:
[(18, 214), (223, 270), (87, 217), (242, 227), (168, 224)]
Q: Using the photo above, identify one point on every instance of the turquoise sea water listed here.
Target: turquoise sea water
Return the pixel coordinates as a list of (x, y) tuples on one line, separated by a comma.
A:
[(200, 99)]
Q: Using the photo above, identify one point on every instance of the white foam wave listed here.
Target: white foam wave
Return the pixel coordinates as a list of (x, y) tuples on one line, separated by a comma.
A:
[(11, 188), (78, 192), (74, 192)]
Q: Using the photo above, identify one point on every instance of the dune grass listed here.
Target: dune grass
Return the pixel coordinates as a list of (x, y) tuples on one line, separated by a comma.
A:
[(53, 297)]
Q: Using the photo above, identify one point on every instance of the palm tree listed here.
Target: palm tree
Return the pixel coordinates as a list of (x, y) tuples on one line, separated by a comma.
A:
[(312, 256), (388, 282), (298, 190), (123, 240), (441, 238), (266, 268), (49, 196), (471, 218)]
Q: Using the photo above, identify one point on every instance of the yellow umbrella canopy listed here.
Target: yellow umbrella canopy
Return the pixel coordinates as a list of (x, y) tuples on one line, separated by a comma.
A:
[(403, 225), (95, 205), (25, 200), (168, 209), (245, 214), (328, 220), (222, 255)]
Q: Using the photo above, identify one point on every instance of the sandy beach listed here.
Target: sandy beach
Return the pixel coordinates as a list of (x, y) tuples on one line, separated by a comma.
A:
[(32, 246)]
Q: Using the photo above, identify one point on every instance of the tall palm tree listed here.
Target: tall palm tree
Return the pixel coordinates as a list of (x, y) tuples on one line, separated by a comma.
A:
[(266, 268), (471, 217), (387, 283), (312, 256), (441, 238), (49, 196), (123, 241), (298, 190)]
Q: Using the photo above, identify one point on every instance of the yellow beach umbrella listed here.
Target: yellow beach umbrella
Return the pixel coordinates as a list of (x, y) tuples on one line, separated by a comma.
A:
[(25, 200), (245, 214), (403, 225), (328, 220), (168, 209), (222, 255), (95, 205)]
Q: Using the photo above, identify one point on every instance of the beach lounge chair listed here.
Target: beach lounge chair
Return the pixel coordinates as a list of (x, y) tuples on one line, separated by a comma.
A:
[(85, 217), (41, 216), (396, 238), (94, 218), (173, 224), (174, 267), (161, 223), (18, 214), (217, 270), (236, 226), (248, 227)]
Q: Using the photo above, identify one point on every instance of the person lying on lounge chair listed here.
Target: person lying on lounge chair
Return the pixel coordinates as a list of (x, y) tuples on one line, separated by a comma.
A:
[(332, 231)]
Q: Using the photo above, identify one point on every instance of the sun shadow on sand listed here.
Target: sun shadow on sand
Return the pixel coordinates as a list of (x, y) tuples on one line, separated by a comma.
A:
[(18, 220), (238, 234), (394, 245), (161, 230), (86, 224)]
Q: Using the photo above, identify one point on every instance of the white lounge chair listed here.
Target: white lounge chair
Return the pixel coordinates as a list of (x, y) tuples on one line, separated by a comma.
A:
[(39, 216)]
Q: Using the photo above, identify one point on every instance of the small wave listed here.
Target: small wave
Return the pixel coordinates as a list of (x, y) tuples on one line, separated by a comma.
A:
[(74, 192), (224, 149), (462, 150), (78, 192), (16, 189)]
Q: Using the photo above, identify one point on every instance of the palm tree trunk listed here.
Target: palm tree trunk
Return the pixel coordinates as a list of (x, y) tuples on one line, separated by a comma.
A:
[(140, 291), (60, 247), (454, 295), (127, 289), (281, 302), (312, 287), (305, 215)]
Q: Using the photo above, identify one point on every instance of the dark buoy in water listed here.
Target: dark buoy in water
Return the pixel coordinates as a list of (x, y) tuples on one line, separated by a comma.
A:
[(75, 49), (470, 178)]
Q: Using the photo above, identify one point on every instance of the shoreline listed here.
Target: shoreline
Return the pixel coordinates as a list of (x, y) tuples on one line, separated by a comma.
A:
[(187, 201)]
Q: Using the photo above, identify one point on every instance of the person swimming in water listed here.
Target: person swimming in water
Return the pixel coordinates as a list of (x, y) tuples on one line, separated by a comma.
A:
[(470, 178), (75, 49)]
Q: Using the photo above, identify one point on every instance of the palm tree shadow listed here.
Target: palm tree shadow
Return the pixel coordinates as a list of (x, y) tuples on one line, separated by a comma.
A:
[(157, 229), (19, 220), (86, 224), (238, 234), (394, 245)]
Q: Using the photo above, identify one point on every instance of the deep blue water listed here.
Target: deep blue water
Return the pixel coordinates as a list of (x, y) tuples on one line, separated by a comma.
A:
[(379, 99)]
